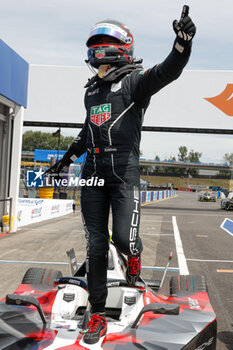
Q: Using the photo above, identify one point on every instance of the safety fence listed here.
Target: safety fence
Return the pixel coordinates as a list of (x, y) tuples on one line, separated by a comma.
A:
[(152, 196), (32, 210)]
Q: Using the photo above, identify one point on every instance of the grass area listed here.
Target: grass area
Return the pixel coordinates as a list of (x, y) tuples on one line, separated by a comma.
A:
[(185, 182)]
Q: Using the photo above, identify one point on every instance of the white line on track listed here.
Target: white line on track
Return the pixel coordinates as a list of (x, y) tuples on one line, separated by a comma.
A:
[(157, 234), (38, 229), (180, 213), (17, 262), (216, 261), (33, 262), (45, 229), (8, 252), (159, 268), (182, 263), (149, 220)]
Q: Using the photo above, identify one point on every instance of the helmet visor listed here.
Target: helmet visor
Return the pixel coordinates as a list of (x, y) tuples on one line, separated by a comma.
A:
[(110, 30)]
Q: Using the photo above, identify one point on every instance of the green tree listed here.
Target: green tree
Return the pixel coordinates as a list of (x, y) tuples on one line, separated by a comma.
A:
[(227, 158), (183, 154), (44, 140), (194, 156), (186, 156)]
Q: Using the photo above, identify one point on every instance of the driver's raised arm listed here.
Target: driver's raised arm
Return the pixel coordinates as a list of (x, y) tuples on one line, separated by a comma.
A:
[(152, 80)]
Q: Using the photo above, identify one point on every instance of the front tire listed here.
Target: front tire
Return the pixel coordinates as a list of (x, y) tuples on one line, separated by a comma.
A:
[(41, 276)]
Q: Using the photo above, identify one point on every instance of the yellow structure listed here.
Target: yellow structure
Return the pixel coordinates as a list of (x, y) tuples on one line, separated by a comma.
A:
[(46, 192), (5, 223)]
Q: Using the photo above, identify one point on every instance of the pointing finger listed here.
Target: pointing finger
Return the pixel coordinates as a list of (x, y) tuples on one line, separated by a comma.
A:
[(185, 11), (176, 26)]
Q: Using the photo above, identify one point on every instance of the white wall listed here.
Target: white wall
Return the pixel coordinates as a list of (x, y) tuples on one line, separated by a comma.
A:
[(15, 162), (56, 93), (36, 210)]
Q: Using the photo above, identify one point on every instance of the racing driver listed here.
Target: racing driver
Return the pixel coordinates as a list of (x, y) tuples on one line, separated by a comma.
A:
[(116, 99)]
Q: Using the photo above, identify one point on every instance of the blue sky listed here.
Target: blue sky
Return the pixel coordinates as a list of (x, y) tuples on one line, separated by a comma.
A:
[(54, 32)]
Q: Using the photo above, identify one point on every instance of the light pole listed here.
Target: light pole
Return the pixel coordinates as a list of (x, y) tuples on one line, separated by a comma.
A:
[(58, 135)]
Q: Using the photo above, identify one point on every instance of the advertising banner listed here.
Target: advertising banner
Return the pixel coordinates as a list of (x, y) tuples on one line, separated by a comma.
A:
[(45, 155), (152, 196), (35, 210), (148, 196), (198, 99), (31, 210)]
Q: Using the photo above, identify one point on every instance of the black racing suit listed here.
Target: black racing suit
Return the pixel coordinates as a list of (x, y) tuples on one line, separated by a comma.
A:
[(111, 136)]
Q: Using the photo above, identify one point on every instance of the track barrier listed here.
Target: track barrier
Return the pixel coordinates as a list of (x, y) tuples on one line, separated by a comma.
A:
[(153, 196)]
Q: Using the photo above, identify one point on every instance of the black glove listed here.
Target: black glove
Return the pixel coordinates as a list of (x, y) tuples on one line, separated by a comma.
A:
[(185, 29), (56, 169)]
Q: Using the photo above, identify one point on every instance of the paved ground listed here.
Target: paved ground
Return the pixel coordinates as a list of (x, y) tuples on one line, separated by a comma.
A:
[(207, 249)]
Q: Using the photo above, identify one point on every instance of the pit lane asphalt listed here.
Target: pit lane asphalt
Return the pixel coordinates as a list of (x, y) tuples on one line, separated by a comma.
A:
[(207, 250)]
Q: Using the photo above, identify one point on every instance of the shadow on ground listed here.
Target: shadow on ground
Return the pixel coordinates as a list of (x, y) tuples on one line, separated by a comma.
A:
[(227, 339)]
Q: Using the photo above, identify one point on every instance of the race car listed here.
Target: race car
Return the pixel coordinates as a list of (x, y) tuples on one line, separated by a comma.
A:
[(227, 203), (49, 311), (206, 197)]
